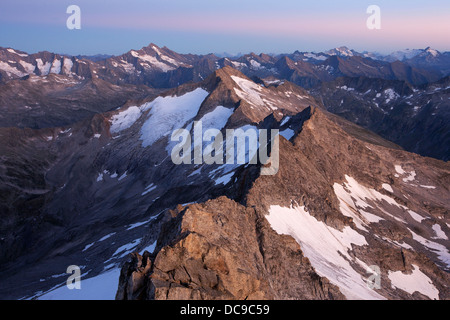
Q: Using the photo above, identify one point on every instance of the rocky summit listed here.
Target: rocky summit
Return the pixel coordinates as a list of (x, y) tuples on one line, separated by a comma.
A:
[(352, 202)]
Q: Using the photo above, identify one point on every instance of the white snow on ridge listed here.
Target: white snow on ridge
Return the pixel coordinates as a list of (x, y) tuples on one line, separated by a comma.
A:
[(44, 68), (410, 177), (217, 118), (250, 92), (345, 88), (170, 113), (387, 187), (285, 120), (150, 61), (287, 133), (67, 65), (124, 119), (19, 54), (128, 67), (439, 233), (138, 224), (417, 281), (353, 198), (166, 58), (107, 236), (325, 247), (149, 188), (428, 187), (255, 64), (10, 70), (237, 64), (123, 176), (150, 248), (390, 95), (100, 287), (29, 68), (127, 248), (404, 54), (437, 248), (399, 169), (224, 179), (56, 66), (416, 216), (315, 56)]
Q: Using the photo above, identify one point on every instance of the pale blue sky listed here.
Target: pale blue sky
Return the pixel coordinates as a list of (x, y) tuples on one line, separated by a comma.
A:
[(200, 26)]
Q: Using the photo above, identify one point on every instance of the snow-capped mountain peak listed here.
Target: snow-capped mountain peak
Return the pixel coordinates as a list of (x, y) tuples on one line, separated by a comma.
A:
[(407, 54), (431, 51), (341, 51)]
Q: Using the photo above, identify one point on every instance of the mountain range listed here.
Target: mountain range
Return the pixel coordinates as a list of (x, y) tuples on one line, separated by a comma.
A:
[(150, 70), (86, 176)]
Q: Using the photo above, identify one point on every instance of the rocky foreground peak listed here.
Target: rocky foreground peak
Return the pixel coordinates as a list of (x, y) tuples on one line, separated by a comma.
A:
[(343, 201), (338, 206)]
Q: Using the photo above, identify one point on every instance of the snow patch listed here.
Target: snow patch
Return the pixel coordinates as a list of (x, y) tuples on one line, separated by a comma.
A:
[(150, 61), (417, 281), (315, 56), (416, 216), (439, 233), (124, 119), (149, 188), (170, 113), (216, 119), (10, 70), (353, 198), (325, 247), (67, 65), (285, 120), (411, 176), (287, 133), (387, 187), (250, 91), (149, 248), (440, 250), (29, 68), (56, 66), (15, 52), (100, 287), (44, 68)]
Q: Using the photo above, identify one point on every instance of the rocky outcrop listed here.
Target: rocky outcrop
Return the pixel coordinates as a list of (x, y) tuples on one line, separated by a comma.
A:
[(223, 250)]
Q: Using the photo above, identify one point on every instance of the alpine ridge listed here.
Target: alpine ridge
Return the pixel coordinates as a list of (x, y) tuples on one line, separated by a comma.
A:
[(87, 177)]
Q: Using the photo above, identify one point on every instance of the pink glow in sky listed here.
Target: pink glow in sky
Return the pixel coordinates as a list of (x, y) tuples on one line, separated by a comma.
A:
[(202, 26), (409, 31)]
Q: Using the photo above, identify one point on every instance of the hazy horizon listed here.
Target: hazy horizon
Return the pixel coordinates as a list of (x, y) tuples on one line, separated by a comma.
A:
[(202, 27)]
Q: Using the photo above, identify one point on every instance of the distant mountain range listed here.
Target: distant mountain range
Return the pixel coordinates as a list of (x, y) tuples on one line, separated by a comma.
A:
[(56, 79), (163, 68), (102, 193)]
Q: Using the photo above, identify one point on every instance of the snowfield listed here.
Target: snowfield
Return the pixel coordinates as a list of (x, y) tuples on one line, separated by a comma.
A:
[(326, 248), (417, 281), (170, 113), (124, 119)]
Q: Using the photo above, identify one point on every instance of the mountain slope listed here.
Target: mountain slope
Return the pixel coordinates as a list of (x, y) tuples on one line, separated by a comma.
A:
[(57, 100), (416, 118), (95, 177), (93, 192), (330, 186)]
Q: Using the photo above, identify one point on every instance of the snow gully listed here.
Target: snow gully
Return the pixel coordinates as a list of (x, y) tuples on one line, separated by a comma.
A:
[(240, 144)]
